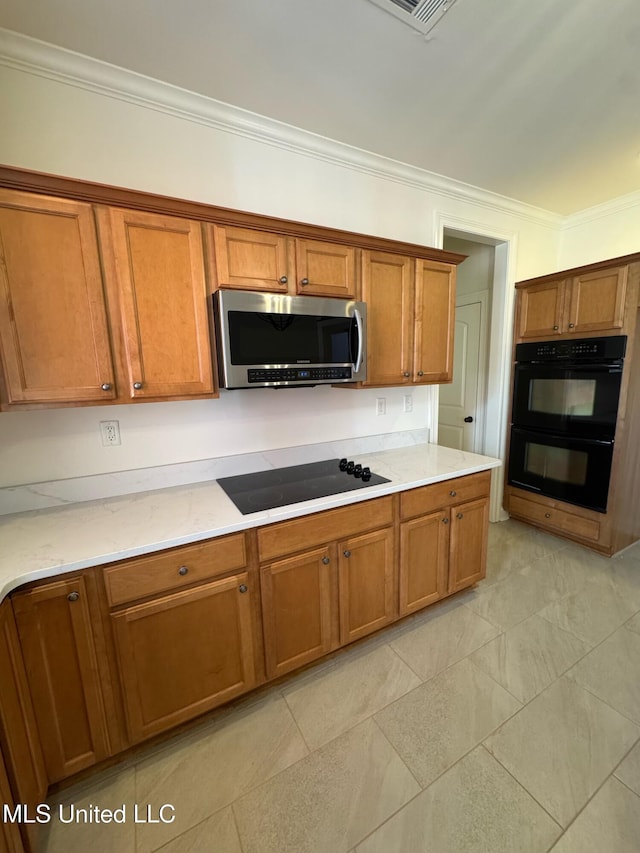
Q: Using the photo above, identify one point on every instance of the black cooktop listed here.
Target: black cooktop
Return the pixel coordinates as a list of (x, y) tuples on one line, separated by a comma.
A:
[(282, 486)]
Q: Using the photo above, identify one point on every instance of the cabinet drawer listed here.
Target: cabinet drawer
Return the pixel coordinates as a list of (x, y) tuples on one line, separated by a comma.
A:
[(166, 571), (553, 518), (287, 537), (427, 499)]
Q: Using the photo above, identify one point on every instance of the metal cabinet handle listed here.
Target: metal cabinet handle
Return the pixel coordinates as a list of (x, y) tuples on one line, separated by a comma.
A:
[(555, 328), (406, 374), (452, 493), (73, 596), (547, 515), (243, 587), (459, 515), (137, 385), (421, 373), (304, 282), (183, 570), (326, 561), (283, 279), (572, 325), (347, 553), (106, 386), (445, 521)]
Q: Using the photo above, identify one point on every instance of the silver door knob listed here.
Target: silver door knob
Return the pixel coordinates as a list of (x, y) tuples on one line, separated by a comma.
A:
[(347, 553), (452, 493), (421, 373), (183, 570), (243, 587), (445, 521), (137, 385), (106, 386), (73, 596), (547, 515), (406, 374), (304, 282), (326, 561), (459, 515), (572, 325), (555, 328), (283, 279)]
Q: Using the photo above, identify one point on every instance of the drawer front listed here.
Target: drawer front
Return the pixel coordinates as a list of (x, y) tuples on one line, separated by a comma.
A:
[(554, 519), (179, 567), (287, 537), (426, 499)]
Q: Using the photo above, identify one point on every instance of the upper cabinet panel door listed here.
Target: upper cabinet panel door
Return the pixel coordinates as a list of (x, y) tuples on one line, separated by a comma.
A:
[(387, 290), (435, 302), (325, 269), (54, 342), (597, 301), (540, 308), (155, 278), (252, 260)]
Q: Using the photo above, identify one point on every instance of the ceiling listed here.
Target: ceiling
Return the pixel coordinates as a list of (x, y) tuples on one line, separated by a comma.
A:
[(538, 100)]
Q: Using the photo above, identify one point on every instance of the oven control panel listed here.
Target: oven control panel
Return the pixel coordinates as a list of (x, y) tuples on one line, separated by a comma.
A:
[(587, 349)]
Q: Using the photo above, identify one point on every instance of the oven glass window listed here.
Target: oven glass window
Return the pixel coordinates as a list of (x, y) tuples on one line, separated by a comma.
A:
[(568, 397), (556, 463)]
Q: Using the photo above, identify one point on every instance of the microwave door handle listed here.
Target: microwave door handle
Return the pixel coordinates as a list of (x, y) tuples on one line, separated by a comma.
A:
[(358, 362)]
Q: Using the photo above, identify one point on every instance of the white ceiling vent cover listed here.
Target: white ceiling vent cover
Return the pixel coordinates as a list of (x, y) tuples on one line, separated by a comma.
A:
[(422, 15)]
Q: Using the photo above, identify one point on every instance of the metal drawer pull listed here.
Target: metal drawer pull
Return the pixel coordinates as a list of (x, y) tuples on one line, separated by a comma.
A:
[(547, 515), (283, 279), (421, 373), (106, 386), (406, 374), (73, 596), (243, 587), (445, 521), (572, 325), (459, 515), (137, 385), (452, 493), (555, 328), (183, 570), (347, 553), (326, 561), (304, 282)]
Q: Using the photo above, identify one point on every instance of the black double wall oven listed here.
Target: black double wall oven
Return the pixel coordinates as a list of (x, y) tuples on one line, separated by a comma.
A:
[(565, 409)]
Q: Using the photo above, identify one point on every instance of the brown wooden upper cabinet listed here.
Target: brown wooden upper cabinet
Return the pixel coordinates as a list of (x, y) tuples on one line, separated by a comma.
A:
[(590, 302), (260, 260), (410, 316), (54, 341), (154, 270)]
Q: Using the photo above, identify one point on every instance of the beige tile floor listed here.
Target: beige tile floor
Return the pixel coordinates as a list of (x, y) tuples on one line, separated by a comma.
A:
[(503, 720)]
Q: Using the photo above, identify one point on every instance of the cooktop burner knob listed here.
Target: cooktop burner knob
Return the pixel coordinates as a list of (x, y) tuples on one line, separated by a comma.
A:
[(343, 465), (357, 471), (366, 475), (350, 467)]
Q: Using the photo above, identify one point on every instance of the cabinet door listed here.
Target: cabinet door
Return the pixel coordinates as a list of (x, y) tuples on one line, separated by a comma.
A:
[(325, 269), (435, 306), (366, 584), (540, 309), (597, 301), (251, 260), (468, 547), (388, 290), (185, 653), (10, 841), (18, 732), (54, 343), (154, 270), (296, 610), (54, 623), (423, 561)]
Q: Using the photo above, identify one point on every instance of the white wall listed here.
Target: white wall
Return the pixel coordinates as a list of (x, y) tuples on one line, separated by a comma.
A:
[(602, 232), (104, 134)]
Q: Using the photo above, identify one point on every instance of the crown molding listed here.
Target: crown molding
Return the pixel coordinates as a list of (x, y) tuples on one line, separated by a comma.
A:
[(599, 211), (42, 59)]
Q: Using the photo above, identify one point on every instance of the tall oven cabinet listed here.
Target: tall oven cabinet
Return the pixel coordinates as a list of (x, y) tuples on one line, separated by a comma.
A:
[(575, 405)]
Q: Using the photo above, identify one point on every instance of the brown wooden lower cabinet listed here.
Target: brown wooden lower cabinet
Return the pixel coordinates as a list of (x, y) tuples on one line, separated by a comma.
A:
[(297, 609), (468, 547), (366, 583), (185, 653), (56, 635), (424, 556)]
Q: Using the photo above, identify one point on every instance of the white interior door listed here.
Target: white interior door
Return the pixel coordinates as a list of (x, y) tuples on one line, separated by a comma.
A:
[(461, 411)]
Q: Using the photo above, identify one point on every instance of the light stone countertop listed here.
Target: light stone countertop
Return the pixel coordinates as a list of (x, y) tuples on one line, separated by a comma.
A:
[(49, 542)]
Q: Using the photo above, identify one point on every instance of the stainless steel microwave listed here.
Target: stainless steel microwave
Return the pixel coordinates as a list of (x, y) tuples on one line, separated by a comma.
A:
[(269, 340)]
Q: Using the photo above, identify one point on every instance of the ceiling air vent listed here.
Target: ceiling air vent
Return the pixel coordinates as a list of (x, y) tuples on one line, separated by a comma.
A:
[(422, 15)]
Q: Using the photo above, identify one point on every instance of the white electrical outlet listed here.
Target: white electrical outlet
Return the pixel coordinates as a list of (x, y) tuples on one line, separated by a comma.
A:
[(110, 432), (381, 405), (408, 403)]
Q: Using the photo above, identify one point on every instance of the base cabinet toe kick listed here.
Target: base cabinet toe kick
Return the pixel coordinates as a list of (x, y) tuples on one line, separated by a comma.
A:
[(95, 662)]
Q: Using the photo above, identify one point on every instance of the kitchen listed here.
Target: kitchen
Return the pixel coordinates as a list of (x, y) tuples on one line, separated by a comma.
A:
[(227, 165)]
